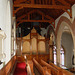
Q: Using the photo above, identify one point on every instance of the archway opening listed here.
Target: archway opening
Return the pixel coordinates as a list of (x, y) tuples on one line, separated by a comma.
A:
[(62, 56), (65, 38), (67, 42)]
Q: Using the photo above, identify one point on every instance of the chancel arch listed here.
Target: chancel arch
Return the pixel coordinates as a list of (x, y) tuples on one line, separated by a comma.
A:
[(64, 25)]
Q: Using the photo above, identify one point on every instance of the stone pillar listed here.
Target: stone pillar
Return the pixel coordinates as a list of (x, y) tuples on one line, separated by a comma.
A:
[(51, 49), (58, 56), (51, 53)]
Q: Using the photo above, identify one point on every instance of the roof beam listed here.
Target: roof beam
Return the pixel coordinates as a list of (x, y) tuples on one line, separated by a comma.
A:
[(47, 16), (69, 13), (64, 2), (41, 6), (39, 12), (32, 1), (19, 1), (25, 15), (21, 21), (53, 2), (36, 21)]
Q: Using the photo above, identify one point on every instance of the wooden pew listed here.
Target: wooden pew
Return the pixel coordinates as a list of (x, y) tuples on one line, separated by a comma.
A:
[(58, 68), (48, 71), (39, 67), (54, 71), (6, 70), (10, 66), (42, 70), (65, 72), (31, 66), (20, 58), (44, 57)]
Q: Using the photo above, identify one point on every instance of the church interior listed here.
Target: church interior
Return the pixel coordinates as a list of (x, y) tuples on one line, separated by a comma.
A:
[(37, 37)]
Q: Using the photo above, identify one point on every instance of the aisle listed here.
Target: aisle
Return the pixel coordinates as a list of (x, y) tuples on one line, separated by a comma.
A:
[(20, 69)]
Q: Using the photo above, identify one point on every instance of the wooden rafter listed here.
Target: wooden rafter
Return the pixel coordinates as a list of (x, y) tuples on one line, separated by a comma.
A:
[(64, 2), (47, 16), (21, 17), (53, 2), (46, 1), (49, 2), (64, 7), (39, 6), (32, 1), (25, 15), (20, 20), (34, 21), (19, 1), (38, 11), (70, 13)]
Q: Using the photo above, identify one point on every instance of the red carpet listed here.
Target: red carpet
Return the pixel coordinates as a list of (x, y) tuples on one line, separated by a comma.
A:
[(20, 69)]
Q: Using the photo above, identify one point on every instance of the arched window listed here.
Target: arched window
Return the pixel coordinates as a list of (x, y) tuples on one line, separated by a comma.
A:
[(61, 55), (54, 51)]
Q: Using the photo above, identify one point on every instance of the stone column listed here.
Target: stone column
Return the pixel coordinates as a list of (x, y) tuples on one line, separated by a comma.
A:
[(58, 56), (51, 53), (51, 49)]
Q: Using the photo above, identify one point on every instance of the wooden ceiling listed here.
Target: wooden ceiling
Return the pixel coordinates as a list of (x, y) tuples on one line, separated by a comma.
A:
[(42, 11)]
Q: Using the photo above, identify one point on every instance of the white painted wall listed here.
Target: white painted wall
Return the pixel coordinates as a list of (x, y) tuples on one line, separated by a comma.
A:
[(3, 9), (8, 33), (73, 12), (5, 25), (66, 15), (67, 42)]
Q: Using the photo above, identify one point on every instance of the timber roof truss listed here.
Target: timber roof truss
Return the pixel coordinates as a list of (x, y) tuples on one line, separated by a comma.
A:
[(48, 9)]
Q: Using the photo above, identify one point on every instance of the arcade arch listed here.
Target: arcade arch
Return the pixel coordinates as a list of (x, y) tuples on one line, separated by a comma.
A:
[(62, 24)]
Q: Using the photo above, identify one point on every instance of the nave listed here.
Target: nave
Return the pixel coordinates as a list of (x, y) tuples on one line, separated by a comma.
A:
[(37, 37)]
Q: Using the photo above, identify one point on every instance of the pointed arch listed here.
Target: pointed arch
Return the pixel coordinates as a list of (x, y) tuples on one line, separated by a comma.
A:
[(59, 30), (50, 29)]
